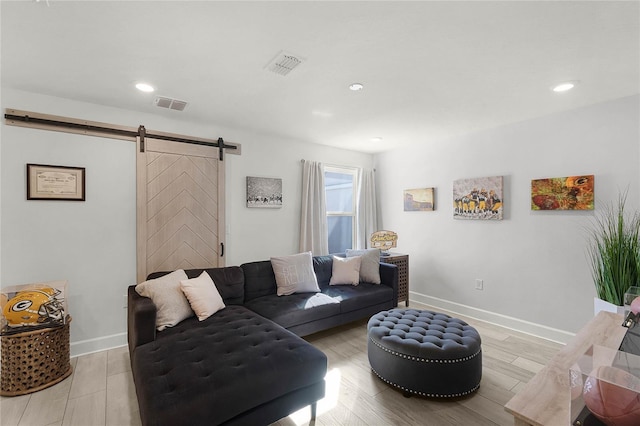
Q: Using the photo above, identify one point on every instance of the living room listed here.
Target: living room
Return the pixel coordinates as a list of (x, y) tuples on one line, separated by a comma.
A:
[(533, 264)]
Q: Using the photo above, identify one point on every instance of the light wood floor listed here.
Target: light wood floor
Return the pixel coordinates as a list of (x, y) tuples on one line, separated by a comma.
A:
[(101, 392)]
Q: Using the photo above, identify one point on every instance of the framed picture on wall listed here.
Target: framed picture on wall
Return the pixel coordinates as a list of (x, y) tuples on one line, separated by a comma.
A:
[(264, 192), (563, 193), (45, 182), (418, 200), (478, 198)]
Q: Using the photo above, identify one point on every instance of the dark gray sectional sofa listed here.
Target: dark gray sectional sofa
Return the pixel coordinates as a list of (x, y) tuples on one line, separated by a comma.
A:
[(245, 364)]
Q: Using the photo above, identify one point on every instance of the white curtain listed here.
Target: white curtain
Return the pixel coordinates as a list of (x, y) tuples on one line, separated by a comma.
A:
[(366, 208), (313, 214)]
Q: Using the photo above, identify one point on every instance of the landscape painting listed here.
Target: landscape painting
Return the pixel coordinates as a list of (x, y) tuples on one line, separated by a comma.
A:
[(563, 193), (478, 198), (264, 192), (418, 200)]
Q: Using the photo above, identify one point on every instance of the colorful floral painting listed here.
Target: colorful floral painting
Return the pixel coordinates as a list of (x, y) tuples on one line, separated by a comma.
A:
[(418, 200), (562, 193), (478, 198)]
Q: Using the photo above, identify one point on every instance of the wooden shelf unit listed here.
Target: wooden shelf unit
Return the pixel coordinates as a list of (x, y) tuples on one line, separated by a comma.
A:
[(402, 262)]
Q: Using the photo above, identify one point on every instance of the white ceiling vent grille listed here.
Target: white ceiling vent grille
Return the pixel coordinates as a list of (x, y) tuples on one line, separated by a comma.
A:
[(164, 102), (284, 63)]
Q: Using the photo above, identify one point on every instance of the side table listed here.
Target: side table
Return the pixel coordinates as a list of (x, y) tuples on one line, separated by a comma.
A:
[(402, 262), (34, 360)]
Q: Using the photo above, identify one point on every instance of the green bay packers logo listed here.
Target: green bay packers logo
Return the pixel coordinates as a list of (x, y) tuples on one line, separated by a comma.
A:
[(21, 305)]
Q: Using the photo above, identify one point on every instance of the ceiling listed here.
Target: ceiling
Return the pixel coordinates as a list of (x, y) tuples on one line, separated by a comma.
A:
[(431, 70)]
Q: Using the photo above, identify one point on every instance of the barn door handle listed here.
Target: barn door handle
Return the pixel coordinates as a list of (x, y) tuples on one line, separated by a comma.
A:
[(221, 249)]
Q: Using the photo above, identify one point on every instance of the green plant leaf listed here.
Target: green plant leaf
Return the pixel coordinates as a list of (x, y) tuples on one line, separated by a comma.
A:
[(614, 251)]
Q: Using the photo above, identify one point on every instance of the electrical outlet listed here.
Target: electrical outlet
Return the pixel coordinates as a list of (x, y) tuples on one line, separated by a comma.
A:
[(125, 302), (479, 284)]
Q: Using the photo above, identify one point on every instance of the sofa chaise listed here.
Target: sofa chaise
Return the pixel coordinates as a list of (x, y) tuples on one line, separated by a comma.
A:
[(247, 363)]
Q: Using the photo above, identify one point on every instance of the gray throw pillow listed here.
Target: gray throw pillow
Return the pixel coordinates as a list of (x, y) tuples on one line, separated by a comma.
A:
[(370, 265), (294, 274), (171, 304), (345, 270)]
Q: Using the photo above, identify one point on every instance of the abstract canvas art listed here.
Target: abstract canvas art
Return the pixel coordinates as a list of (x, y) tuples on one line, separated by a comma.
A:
[(418, 200), (478, 198), (562, 193)]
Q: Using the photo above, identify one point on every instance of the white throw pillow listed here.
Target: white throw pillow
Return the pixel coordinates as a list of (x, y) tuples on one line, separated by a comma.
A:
[(370, 266), (294, 274), (203, 295), (171, 304), (345, 270)]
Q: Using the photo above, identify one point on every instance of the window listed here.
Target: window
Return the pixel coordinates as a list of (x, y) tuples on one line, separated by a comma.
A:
[(340, 185)]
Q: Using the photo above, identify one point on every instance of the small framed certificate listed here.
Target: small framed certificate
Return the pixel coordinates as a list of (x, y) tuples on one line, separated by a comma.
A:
[(55, 182)]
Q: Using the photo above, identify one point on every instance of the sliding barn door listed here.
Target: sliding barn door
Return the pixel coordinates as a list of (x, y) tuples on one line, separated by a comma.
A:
[(180, 207)]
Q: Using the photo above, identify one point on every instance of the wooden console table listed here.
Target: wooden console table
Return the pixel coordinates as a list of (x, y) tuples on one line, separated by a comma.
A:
[(546, 400), (402, 262)]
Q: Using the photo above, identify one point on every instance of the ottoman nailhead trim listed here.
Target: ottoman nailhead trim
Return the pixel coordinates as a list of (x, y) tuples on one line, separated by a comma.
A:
[(431, 395), (414, 358)]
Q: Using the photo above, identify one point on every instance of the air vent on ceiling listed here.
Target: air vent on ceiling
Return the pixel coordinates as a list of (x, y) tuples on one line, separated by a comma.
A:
[(164, 102), (283, 63)]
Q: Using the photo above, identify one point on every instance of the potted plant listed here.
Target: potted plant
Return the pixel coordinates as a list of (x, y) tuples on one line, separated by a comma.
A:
[(614, 252)]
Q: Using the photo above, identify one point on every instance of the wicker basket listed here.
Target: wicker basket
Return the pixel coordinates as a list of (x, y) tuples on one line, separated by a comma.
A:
[(34, 360)]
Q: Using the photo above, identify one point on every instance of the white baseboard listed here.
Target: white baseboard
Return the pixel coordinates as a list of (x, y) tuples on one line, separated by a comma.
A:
[(538, 330), (98, 344)]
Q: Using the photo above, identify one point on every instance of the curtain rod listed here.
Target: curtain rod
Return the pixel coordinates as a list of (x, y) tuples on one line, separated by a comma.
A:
[(334, 165)]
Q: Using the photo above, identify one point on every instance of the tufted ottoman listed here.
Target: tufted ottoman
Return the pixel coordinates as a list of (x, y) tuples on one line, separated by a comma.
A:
[(424, 352)]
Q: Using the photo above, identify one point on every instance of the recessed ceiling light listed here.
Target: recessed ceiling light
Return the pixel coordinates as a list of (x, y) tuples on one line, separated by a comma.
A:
[(145, 87), (376, 139), (356, 86), (324, 114), (563, 87)]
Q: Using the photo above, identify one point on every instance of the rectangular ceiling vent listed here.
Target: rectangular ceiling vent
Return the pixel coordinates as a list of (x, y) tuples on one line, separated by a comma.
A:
[(164, 102), (283, 63)]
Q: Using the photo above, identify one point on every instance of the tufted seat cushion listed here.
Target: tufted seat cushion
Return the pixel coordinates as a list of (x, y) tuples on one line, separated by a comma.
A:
[(221, 367), (295, 309), (425, 352), (357, 297)]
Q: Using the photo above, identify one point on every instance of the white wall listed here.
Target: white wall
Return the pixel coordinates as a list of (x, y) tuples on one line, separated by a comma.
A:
[(91, 244), (255, 233), (533, 263)]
